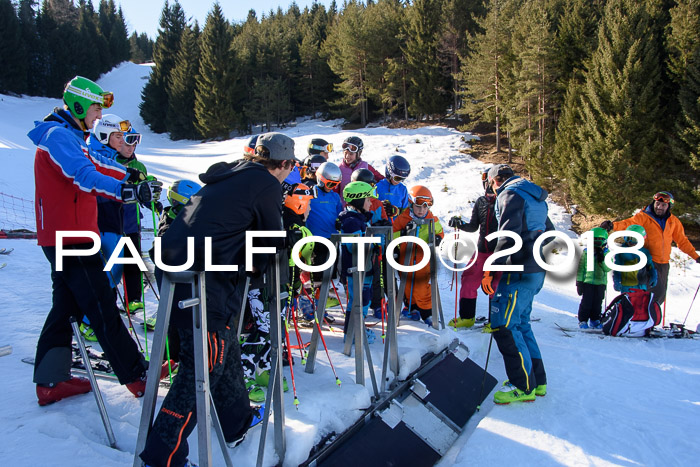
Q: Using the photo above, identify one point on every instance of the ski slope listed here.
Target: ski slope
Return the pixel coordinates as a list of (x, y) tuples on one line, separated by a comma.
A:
[(611, 401)]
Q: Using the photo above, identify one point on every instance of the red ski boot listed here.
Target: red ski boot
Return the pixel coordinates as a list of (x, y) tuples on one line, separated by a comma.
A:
[(138, 387), (56, 392)]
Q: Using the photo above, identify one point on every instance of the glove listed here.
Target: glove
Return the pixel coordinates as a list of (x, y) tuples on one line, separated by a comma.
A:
[(135, 175), (486, 283), (607, 225), (391, 211), (158, 206), (144, 192), (697, 260), (579, 288), (382, 223), (410, 226), (456, 222)]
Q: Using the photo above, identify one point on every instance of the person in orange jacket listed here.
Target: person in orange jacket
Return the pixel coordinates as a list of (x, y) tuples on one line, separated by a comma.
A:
[(417, 295), (662, 228)]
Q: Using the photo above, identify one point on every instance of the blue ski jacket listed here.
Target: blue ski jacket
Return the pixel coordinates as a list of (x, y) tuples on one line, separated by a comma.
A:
[(397, 195), (324, 210)]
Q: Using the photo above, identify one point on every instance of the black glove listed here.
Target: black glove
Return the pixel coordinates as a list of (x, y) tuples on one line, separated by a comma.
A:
[(697, 260), (607, 225), (382, 223), (158, 206), (144, 192), (579, 288), (135, 175), (410, 226), (456, 222), (391, 210)]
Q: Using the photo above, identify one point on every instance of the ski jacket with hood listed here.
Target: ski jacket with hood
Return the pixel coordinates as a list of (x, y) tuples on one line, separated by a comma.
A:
[(325, 207), (236, 197), (661, 231), (68, 178), (397, 195), (521, 208)]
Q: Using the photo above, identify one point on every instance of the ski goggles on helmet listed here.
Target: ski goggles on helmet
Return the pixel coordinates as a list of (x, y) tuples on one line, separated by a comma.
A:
[(107, 99), (327, 148), (124, 125), (350, 147), (132, 138), (398, 178), (423, 201), (329, 184), (664, 197)]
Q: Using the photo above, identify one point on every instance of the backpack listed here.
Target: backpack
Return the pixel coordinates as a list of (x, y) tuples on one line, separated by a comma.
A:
[(631, 314)]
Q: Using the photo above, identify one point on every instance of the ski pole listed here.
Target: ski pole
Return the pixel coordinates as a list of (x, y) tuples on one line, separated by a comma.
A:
[(382, 303), (691, 304), (323, 340), (145, 329), (291, 366), (486, 366), (337, 296)]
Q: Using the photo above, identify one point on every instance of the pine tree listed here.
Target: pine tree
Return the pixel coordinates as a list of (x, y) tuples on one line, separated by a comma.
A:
[(429, 93), (576, 39), (119, 39), (483, 71), (13, 72), (345, 47), (89, 61), (619, 137), (106, 18), (154, 105), (183, 83), (57, 26), (686, 141), (30, 39), (459, 20), (531, 113), (216, 116), (141, 47)]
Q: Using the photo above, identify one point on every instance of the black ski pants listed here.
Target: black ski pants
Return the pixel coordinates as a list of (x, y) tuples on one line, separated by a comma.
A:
[(167, 442), (132, 273), (591, 302), (82, 289)]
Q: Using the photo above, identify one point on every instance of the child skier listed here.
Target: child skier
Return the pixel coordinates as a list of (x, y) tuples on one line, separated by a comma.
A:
[(354, 220), (484, 219), (644, 278), (590, 285), (417, 295), (391, 191)]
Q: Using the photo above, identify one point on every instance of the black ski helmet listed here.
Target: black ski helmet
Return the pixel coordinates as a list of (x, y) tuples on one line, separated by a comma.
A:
[(311, 163), (249, 148), (399, 167), (319, 145), (363, 175), (353, 144)]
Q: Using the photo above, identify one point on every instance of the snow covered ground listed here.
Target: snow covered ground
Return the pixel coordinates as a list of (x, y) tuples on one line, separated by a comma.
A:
[(610, 401)]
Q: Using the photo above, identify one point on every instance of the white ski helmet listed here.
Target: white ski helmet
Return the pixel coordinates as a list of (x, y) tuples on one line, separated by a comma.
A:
[(109, 124)]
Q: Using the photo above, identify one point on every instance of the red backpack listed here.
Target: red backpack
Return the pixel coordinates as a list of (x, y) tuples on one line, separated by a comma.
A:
[(631, 314)]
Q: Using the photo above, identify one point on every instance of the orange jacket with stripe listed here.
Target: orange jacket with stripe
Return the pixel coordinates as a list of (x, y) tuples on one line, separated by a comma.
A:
[(659, 241)]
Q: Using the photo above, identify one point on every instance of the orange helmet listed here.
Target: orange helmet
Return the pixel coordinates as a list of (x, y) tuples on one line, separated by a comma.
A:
[(298, 201), (420, 195)]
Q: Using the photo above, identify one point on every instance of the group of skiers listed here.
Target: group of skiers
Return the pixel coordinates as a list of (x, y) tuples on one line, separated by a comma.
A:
[(658, 227), (87, 178)]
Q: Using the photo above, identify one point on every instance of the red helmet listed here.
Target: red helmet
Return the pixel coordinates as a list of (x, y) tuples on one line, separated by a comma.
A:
[(420, 195), (298, 201)]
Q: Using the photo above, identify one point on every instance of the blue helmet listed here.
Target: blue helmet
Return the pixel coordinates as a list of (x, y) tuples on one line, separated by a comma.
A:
[(397, 167), (181, 191)]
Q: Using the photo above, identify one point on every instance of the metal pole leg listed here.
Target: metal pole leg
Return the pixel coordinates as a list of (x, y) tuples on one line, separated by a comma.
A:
[(93, 383)]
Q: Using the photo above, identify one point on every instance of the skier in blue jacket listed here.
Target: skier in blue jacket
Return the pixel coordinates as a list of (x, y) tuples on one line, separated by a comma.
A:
[(520, 208)]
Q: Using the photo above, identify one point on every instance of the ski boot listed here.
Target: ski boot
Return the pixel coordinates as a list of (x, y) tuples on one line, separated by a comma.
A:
[(263, 379), (138, 386), (371, 336), (429, 321), (331, 302), (415, 315), (87, 332), (48, 394), (595, 324), (255, 392), (510, 393), (405, 313), (328, 318), (540, 390), (135, 306), (377, 313), (461, 323), (583, 325), (487, 328), (258, 414)]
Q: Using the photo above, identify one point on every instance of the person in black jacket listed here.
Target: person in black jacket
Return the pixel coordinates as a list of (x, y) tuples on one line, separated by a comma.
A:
[(237, 197), (484, 219)]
